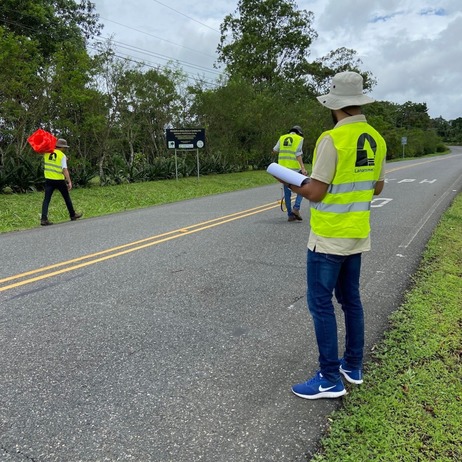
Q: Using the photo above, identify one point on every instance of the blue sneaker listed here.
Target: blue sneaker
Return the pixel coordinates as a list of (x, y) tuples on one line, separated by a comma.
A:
[(319, 387), (351, 375)]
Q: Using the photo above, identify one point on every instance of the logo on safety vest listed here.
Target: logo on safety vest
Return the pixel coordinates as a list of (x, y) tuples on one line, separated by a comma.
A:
[(288, 141), (365, 151)]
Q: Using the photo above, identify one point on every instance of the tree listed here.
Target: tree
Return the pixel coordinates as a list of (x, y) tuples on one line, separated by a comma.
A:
[(456, 130), (266, 42), (21, 98), (150, 102), (413, 115), (381, 114), (50, 22), (442, 127), (43, 56), (343, 59)]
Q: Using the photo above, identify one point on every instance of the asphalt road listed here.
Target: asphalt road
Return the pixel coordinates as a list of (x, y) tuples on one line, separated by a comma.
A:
[(174, 333)]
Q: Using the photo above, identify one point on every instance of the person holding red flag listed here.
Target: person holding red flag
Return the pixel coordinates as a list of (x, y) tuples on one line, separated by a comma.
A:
[(57, 177)]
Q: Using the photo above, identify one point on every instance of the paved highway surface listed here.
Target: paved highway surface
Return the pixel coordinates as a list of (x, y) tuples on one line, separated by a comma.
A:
[(174, 333)]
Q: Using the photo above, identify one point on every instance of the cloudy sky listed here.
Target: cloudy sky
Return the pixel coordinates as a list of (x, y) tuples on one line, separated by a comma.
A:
[(412, 47)]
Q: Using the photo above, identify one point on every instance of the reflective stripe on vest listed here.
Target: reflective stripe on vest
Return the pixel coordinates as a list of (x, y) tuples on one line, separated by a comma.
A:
[(344, 212), (288, 145), (52, 165)]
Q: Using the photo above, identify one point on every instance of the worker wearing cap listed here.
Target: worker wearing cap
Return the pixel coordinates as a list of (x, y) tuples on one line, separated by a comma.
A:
[(289, 149), (57, 177)]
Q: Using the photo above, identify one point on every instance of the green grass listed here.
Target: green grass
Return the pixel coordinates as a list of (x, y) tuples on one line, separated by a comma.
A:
[(22, 211), (410, 405)]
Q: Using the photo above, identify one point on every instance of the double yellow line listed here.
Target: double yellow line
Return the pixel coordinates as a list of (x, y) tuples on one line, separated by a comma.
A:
[(56, 269)]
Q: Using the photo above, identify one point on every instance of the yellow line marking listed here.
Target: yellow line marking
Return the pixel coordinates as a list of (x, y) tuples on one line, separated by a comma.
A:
[(134, 246), (402, 167)]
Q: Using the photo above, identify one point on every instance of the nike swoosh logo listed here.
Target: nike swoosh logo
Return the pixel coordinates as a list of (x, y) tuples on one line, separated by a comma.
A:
[(321, 388)]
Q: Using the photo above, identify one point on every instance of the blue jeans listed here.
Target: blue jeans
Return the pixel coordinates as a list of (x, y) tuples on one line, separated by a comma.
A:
[(328, 274), (288, 201)]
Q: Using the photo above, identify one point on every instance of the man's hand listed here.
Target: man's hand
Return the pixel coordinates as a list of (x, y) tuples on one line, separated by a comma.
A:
[(280, 181), (312, 190), (67, 178)]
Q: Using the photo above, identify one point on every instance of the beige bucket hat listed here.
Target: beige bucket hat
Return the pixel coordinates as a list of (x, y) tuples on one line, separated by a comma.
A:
[(346, 89), (61, 143)]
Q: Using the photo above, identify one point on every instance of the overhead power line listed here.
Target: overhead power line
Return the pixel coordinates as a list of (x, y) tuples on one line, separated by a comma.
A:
[(160, 56), (186, 16), (128, 57), (157, 37)]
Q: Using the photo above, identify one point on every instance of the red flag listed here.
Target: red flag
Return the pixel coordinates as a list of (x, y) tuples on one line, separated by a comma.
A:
[(42, 141)]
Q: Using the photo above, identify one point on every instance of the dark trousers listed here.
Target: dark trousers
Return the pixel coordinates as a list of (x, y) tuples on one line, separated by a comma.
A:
[(61, 186)]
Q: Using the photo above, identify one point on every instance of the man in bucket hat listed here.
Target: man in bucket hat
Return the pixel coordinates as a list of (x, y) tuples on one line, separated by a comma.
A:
[(348, 170), (57, 177)]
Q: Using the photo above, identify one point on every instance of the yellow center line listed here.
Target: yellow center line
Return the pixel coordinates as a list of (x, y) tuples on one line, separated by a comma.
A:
[(402, 167), (130, 247)]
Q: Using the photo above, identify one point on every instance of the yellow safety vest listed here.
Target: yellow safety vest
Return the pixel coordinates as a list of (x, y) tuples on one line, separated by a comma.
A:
[(288, 145), (52, 165), (344, 212)]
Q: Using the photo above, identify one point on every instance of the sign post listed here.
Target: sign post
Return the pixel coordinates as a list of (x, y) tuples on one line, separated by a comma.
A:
[(185, 139), (403, 142)]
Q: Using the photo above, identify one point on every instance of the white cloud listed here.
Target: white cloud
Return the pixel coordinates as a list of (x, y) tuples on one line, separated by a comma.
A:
[(412, 47)]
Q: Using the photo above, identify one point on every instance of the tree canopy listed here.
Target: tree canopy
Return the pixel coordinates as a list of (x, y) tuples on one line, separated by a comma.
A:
[(266, 42), (50, 23)]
